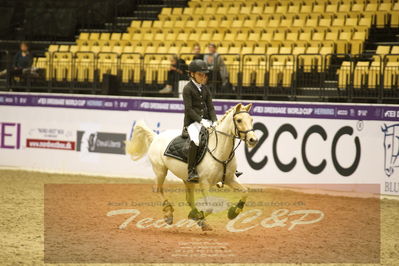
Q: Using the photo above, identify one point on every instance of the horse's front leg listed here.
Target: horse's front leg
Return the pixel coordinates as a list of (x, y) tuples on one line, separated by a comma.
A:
[(195, 214), (235, 210)]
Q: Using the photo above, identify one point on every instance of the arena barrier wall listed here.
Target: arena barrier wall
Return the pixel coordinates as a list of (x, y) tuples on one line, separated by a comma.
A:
[(300, 143)]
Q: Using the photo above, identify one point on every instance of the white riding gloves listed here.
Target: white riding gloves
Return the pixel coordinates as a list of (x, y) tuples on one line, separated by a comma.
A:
[(206, 123)]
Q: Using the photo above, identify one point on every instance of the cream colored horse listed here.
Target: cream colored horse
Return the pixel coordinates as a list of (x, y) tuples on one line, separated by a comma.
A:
[(236, 123)]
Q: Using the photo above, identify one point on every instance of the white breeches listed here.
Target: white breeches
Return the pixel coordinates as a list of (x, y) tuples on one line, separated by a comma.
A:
[(193, 131)]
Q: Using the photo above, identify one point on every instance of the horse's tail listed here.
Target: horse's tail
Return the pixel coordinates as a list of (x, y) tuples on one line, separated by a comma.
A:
[(141, 139)]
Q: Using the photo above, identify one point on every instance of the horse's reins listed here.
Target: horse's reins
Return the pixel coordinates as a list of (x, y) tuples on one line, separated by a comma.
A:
[(237, 134)]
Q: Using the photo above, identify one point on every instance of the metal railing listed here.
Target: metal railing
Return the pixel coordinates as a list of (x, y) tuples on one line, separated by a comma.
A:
[(323, 77)]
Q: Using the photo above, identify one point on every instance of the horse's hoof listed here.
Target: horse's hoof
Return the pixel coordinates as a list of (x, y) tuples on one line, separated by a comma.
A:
[(168, 219), (233, 212), (204, 225)]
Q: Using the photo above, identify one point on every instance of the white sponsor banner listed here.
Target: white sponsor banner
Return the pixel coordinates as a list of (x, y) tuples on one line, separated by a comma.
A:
[(290, 151)]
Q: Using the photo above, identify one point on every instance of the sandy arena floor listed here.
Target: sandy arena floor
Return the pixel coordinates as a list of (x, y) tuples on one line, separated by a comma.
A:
[(22, 228)]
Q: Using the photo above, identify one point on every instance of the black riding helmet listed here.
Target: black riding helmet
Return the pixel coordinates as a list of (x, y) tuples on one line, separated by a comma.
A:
[(198, 65)]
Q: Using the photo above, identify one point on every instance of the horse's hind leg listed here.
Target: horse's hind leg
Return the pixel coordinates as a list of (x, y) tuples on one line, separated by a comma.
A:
[(167, 206)]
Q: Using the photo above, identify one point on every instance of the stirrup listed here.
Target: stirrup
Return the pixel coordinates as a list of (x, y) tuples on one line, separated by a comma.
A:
[(193, 177)]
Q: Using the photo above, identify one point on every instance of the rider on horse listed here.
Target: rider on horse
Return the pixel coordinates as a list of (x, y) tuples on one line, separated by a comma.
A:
[(198, 111)]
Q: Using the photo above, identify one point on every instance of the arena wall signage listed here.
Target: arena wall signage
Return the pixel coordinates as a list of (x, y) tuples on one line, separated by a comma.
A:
[(300, 143)]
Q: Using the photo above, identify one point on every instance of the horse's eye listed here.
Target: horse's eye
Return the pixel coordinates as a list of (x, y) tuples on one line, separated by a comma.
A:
[(238, 120)]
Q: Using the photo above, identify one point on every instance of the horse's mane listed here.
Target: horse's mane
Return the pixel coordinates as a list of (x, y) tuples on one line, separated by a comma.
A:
[(227, 113)]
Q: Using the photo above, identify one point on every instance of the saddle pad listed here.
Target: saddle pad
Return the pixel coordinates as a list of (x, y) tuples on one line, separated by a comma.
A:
[(178, 147)]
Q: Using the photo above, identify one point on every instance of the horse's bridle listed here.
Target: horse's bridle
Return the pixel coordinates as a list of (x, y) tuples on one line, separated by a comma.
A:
[(237, 135)]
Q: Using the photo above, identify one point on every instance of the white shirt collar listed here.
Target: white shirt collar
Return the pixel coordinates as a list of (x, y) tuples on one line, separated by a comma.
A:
[(197, 85)]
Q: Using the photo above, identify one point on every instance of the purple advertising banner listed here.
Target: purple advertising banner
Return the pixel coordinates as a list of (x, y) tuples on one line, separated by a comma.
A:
[(260, 108)]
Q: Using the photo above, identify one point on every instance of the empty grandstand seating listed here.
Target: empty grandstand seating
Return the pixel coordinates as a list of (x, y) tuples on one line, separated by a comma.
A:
[(264, 43)]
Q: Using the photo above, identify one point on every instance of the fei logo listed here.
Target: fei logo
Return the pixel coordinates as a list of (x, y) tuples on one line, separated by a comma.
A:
[(10, 135), (391, 148)]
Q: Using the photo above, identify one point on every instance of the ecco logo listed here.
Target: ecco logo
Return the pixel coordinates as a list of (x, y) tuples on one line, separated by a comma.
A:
[(314, 169)]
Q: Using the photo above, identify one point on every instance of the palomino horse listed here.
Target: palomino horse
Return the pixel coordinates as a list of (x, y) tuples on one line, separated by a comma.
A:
[(217, 167)]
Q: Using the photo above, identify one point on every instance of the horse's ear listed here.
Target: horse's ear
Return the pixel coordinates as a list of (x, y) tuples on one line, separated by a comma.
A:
[(248, 107), (238, 107)]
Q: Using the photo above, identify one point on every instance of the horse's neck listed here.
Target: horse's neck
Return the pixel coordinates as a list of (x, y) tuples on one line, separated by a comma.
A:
[(224, 143)]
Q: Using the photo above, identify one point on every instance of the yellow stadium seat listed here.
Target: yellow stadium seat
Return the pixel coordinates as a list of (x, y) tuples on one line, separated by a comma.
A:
[(237, 24), (117, 49), (278, 38), (107, 63), (202, 24), (395, 19), (247, 50), (325, 22), (280, 74), (318, 36), (381, 51), (254, 69), (357, 7), (274, 23), (357, 42), (283, 9), (225, 24), (298, 23), (234, 50), (130, 68), (253, 37), (157, 24), (267, 10), (311, 22), (318, 8), (394, 55), (391, 75), (311, 60), (342, 45), (344, 73), (332, 8), (286, 23), (261, 23), (306, 9), (218, 37), (344, 8), (241, 36), (259, 49), (84, 70), (246, 10), (294, 9), (249, 24), (258, 10), (338, 23), (374, 75), (63, 48), (360, 74), (62, 66), (146, 24), (165, 13), (94, 36), (229, 37), (231, 10), (73, 49)]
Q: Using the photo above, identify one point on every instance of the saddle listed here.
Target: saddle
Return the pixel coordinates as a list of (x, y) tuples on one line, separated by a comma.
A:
[(178, 147)]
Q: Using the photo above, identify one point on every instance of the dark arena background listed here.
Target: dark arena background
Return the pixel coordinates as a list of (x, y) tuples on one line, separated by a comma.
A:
[(319, 78)]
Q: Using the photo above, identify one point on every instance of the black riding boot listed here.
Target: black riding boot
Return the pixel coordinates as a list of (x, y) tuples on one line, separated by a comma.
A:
[(191, 160)]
